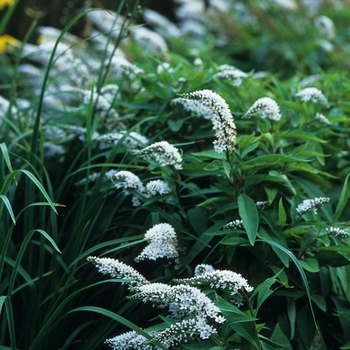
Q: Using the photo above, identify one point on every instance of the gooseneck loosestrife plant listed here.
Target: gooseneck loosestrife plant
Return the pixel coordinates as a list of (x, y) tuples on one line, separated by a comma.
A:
[(176, 185)]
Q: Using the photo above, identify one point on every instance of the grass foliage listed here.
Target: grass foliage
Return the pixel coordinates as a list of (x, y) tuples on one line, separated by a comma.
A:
[(78, 182)]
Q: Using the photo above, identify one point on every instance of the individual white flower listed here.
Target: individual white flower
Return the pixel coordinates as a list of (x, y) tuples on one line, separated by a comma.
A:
[(162, 244), (128, 181), (162, 152), (311, 205), (198, 62), (164, 67), (312, 94), (157, 187), (118, 269), (338, 232), (213, 107), (231, 73), (203, 268), (326, 26), (220, 279), (266, 107), (234, 225), (322, 119)]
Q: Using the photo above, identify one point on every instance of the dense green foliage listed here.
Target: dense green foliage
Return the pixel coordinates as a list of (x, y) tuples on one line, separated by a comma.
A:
[(75, 115)]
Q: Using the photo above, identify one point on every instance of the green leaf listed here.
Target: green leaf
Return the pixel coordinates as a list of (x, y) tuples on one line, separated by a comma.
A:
[(263, 291), (300, 269), (119, 319), (209, 154), (282, 216), (6, 156), (331, 258), (304, 136), (343, 199), (21, 252), (318, 342), (9, 208), (5, 300), (249, 215), (197, 218), (247, 144), (214, 165), (310, 264), (279, 337)]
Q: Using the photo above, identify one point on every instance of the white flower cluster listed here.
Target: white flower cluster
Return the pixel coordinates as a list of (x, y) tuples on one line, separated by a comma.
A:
[(312, 94), (107, 21), (182, 300), (130, 340), (118, 269), (213, 107), (311, 205), (162, 25), (266, 107), (175, 334), (150, 41), (120, 66), (128, 181), (262, 204), (220, 279), (326, 27), (322, 119), (162, 244), (234, 225), (203, 268), (338, 232), (157, 187), (311, 80), (131, 140), (231, 73), (162, 152)]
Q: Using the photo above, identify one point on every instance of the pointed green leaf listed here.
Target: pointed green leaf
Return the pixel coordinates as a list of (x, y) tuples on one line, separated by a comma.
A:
[(249, 215), (282, 216), (344, 196)]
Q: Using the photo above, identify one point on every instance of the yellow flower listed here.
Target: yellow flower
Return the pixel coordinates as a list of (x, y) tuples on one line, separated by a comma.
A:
[(4, 3), (8, 43)]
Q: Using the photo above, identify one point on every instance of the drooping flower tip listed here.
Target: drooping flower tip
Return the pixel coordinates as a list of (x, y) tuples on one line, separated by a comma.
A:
[(322, 119), (234, 225), (162, 152), (266, 107), (312, 94), (117, 269), (337, 232), (311, 205), (214, 108)]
